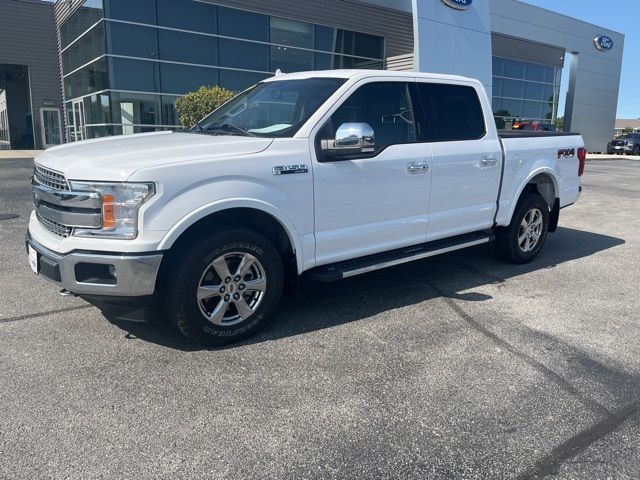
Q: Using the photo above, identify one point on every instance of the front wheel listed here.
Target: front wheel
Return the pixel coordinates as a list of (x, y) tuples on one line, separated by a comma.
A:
[(523, 239), (224, 288)]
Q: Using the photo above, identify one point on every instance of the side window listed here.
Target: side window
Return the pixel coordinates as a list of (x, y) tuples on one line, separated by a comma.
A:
[(385, 106), (452, 112)]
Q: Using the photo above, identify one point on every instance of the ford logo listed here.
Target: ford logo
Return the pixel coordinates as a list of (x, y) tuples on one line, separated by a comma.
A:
[(458, 4), (603, 43)]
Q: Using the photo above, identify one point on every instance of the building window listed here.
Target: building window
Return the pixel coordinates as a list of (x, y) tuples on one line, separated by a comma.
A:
[(524, 91), (132, 40), (88, 14), (165, 48), (89, 79), (139, 11), (242, 24), (188, 15), (85, 49)]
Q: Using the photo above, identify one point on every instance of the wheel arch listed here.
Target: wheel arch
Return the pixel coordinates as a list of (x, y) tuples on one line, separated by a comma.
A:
[(258, 216), (542, 181)]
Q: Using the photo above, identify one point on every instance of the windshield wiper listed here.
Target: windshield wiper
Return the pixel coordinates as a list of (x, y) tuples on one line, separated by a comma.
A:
[(226, 127)]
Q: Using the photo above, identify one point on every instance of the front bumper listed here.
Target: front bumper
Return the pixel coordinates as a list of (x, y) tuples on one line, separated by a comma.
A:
[(619, 149), (86, 273)]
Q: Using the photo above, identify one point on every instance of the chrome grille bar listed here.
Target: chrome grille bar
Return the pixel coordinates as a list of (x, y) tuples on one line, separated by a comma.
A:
[(50, 178), (54, 227), (70, 219), (58, 208), (64, 198)]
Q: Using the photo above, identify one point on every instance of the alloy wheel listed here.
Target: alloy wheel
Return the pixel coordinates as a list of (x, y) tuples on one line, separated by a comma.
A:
[(231, 288), (530, 230)]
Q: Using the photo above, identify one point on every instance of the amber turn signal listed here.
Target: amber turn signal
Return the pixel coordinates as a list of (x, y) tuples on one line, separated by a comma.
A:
[(108, 218)]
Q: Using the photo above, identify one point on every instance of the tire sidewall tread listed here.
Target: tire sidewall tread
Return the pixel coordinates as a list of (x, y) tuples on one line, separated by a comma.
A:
[(187, 269), (507, 237)]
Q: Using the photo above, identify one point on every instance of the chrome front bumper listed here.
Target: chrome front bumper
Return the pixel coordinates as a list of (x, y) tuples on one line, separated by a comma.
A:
[(99, 273)]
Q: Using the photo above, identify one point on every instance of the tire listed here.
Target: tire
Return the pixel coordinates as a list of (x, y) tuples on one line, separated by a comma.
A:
[(512, 240), (217, 311), (636, 150)]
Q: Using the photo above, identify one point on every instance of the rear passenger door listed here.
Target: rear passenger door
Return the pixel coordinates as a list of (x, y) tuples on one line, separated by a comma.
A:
[(467, 159)]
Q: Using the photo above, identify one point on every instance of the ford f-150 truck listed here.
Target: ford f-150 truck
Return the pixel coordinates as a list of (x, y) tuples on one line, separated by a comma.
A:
[(327, 173)]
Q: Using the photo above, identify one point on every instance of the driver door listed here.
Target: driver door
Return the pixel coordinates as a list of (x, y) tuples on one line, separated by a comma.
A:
[(375, 200)]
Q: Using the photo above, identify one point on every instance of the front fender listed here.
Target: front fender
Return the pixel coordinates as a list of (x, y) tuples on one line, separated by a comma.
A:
[(217, 206)]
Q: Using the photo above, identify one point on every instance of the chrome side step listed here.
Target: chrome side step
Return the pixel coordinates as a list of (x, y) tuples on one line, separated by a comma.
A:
[(358, 266)]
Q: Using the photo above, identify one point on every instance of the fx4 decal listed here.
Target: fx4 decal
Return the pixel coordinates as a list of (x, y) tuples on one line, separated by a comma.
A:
[(566, 152)]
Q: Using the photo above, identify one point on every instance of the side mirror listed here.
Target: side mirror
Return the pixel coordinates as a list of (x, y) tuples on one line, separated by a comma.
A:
[(351, 138)]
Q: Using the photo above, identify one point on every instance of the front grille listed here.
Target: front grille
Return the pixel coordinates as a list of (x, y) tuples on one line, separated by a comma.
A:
[(54, 227), (50, 178)]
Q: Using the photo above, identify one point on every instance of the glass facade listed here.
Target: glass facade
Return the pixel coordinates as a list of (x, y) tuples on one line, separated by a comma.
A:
[(524, 91), (127, 62)]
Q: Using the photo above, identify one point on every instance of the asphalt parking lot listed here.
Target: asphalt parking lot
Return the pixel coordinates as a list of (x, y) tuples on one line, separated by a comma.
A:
[(459, 366)]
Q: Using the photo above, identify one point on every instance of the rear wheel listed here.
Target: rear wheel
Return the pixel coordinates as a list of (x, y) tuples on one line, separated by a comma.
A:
[(225, 288), (523, 239)]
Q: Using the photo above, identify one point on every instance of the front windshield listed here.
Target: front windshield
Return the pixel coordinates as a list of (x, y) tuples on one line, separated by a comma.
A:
[(270, 109)]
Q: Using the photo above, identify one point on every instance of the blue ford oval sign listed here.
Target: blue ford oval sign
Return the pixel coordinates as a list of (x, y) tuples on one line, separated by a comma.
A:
[(458, 4), (603, 43)]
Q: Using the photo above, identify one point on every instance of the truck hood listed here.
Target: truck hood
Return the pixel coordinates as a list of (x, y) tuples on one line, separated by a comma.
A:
[(117, 158)]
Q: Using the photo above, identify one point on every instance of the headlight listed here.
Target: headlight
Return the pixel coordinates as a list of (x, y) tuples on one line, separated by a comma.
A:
[(120, 205)]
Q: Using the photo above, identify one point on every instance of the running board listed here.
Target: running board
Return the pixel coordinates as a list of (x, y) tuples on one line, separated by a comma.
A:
[(357, 266)]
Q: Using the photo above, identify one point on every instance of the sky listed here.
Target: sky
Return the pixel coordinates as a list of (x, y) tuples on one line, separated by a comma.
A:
[(622, 16)]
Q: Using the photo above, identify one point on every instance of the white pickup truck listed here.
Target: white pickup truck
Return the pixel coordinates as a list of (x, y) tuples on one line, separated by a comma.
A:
[(327, 173)]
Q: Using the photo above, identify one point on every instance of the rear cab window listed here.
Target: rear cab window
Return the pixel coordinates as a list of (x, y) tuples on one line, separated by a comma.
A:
[(450, 113)]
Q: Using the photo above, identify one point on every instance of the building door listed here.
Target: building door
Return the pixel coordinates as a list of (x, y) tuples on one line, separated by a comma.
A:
[(77, 117), (5, 140), (51, 127)]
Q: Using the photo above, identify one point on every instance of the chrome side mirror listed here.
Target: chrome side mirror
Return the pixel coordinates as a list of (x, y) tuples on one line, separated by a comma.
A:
[(355, 135), (351, 138)]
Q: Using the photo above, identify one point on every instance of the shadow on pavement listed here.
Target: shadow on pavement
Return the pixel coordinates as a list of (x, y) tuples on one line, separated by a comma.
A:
[(324, 305)]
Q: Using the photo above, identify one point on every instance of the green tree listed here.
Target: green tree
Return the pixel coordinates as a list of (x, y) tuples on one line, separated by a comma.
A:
[(195, 105), (560, 124)]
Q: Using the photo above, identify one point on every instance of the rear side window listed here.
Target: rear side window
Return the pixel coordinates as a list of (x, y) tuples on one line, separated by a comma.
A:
[(451, 113)]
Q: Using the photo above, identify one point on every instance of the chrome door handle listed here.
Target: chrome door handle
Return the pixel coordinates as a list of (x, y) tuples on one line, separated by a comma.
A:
[(489, 161), (417, 167)]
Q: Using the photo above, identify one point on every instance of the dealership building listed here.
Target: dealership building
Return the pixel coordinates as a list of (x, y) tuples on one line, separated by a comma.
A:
[(123, 63)]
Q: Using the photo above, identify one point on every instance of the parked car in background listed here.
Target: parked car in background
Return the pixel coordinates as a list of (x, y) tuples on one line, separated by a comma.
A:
[(534, 126), (628, 143)]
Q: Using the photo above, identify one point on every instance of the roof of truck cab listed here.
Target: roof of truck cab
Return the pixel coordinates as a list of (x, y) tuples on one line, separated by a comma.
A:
[(364, 74)]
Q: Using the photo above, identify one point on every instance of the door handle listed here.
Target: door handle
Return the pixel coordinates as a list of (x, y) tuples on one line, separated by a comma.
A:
[(489, 160), (417, 167)]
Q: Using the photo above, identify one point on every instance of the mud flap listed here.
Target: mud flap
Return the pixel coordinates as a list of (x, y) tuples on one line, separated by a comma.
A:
[(554, 216)]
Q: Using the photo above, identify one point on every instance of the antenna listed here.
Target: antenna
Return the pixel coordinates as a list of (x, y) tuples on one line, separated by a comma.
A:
[(278, 72)]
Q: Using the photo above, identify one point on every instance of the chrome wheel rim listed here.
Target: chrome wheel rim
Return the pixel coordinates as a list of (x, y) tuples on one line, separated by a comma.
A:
[(231, 288), (530, 230)]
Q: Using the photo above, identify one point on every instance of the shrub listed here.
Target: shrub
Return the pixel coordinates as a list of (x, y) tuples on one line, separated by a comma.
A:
[(193, 106)]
